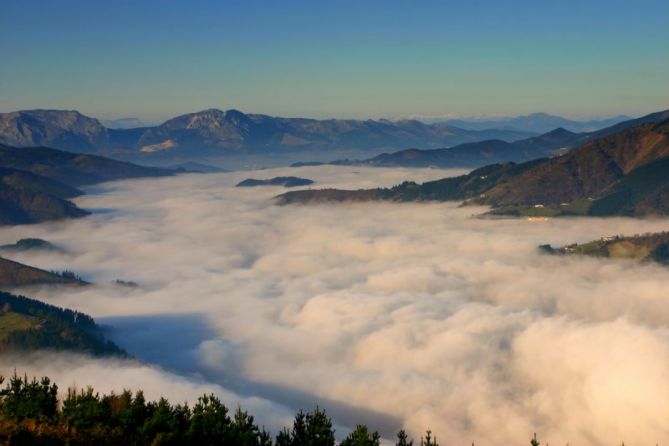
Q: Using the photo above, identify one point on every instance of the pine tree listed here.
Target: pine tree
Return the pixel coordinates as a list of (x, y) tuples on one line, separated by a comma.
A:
[(428, 440), (402, 439), (534, 441), (361, 437)]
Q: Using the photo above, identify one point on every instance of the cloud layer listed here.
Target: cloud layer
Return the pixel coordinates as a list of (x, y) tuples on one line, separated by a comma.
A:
[(397, 315)]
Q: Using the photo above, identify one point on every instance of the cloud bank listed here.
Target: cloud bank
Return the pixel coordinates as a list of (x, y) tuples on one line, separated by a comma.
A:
[(407, 316)]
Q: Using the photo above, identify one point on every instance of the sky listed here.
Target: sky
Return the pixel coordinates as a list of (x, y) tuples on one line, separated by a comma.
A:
[(154, 59)]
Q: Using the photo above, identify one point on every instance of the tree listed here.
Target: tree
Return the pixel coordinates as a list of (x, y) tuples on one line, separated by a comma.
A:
[(129, 413), (428, 440), (83, 409), (361, 437), (29, 399), (243, 431), (311, 429), (534, 441), (283, 438), (161, 428), (210, 423), (402, 439)]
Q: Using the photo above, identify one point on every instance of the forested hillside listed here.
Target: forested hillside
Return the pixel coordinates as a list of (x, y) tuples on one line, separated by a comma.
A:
[(621, 174), (28, 324)]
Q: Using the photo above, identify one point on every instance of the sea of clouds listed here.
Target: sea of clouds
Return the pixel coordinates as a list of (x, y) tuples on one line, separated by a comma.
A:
[(409, 316)]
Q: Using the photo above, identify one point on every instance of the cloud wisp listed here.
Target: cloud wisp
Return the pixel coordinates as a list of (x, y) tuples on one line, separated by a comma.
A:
[(403, 315)]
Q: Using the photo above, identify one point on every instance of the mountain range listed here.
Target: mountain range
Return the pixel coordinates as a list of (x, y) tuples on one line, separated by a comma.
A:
[(536, 123), (481, 153), (620, 173), (216, 132)]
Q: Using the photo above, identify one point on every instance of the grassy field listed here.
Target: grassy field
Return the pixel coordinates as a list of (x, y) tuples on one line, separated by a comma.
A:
[(14, 321), (578, 207)]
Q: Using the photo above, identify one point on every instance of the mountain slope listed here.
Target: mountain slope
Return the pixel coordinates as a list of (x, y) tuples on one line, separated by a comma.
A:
[(36, 182), (643, 191), (15, 274), (626, 173), (462, 187), (28, 324), (72, 168), (463, 155), (587, 171), (21, 179), (24, 206)]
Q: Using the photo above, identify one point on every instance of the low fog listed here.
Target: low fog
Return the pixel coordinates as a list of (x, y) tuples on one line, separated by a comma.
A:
[(409, 316)]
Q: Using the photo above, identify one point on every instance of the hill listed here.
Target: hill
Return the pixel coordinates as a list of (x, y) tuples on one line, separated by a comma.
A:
[(23, 179), (646, 247), (28, 324), (195, 167), (14, 274), (463, 155), (29, 198), (276, 181), (73, 169), (626, 173), (36, 183), (23, 206), (30, 244), (462, 187)]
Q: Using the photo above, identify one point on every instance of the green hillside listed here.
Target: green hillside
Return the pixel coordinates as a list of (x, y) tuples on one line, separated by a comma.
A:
[(646, 248), (28, 324)]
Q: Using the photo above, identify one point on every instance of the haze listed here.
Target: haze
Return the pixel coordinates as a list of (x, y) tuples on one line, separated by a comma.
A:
[(407, 316)]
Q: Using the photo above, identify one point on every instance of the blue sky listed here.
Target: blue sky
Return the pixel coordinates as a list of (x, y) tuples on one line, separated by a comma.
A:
[(156, 59)]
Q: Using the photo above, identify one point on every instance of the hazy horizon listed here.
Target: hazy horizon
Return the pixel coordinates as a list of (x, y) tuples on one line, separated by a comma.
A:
[(418, 117)]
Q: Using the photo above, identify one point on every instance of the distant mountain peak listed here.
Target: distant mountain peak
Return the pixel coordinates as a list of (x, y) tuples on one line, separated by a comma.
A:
[(539, 115), (560, 131), (538, 122), (42, 126), (129, 122)]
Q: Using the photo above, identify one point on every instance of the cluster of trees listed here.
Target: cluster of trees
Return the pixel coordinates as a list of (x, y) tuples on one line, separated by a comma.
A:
[(68, 274), (31, 414), (54, 328)]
